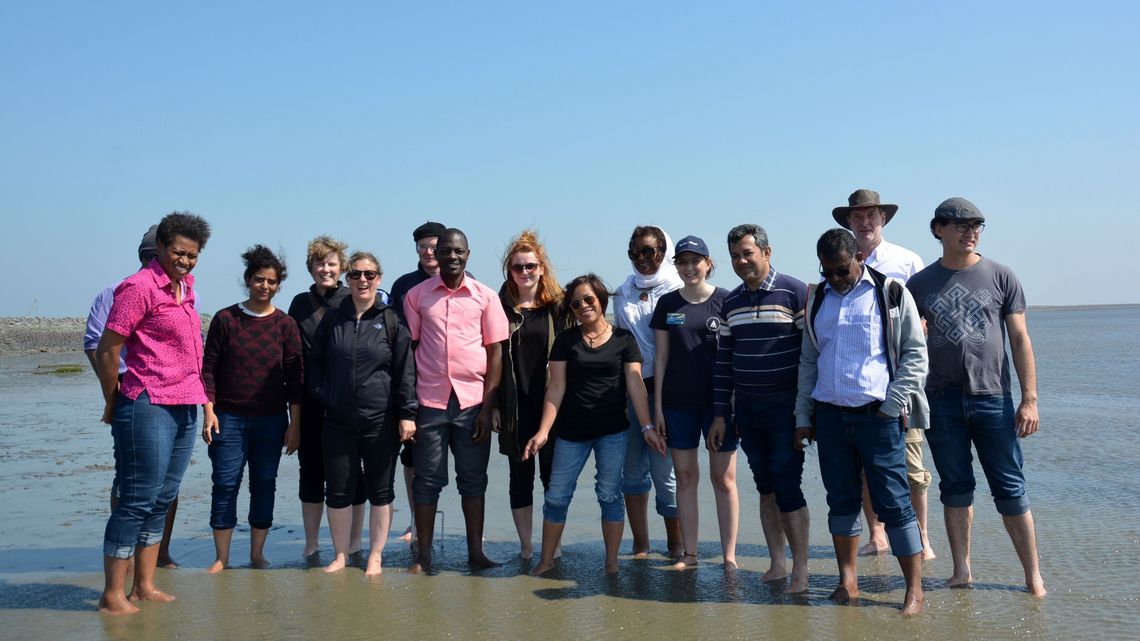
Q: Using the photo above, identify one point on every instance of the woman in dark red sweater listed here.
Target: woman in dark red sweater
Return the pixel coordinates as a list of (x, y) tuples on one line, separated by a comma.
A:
[(252, 369)]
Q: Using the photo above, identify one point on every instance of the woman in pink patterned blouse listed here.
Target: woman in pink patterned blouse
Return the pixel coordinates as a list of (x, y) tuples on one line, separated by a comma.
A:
[(153, 409)]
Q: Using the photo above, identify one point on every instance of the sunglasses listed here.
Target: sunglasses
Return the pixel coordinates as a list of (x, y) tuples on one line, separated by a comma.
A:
[(840, 272), (645, 253), (588, 299), (367, 274), (519, 268)]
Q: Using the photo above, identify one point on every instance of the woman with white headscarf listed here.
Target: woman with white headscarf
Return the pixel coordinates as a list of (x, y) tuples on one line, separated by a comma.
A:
[(646, 464)]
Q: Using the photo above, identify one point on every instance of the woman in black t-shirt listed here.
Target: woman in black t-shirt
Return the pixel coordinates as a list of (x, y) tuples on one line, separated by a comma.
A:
[(531, 298), (594, 368)]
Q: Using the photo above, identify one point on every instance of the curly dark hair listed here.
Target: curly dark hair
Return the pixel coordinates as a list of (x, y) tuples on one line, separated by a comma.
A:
[(595, 283), (259, 257), (186, 225)]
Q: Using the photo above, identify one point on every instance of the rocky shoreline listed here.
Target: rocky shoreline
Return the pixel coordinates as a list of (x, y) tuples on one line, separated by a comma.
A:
[(26, 335)]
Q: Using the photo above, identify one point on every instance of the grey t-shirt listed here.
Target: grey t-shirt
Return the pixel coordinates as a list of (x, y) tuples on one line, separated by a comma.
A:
[(964, 312)]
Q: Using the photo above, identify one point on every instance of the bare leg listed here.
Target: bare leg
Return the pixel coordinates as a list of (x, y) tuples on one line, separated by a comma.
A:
[(524, 525), (379, 521), (846, 551), (473, 514), (311, 514), (340, 523), (637, 510), (222, 540), (796, 525), (1024, 536), (673, 540), (354, 541), (164, 558), (611, 535), (722, 469), (425, 530), (688, 477), (146, 565), (773, 528), (410, 475), (257, 537), (551, 541), (113, 599), (959, 523), (918, 501), (877, 542), (912, 572)]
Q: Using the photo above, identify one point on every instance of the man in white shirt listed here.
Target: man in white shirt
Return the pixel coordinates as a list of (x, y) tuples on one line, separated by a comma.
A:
[(865, 217)]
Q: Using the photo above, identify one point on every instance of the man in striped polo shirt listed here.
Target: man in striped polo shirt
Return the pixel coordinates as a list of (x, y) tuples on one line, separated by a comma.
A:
[(758, 355)]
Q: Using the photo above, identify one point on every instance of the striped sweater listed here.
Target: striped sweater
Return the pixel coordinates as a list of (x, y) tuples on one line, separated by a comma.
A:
[(758, 343)]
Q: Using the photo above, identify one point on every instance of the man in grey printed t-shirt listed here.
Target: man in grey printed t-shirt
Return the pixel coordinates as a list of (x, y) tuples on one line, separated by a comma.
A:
[(970, 304)]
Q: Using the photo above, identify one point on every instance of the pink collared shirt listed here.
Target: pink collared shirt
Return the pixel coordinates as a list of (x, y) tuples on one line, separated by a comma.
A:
[(164, 338), (453, 328)]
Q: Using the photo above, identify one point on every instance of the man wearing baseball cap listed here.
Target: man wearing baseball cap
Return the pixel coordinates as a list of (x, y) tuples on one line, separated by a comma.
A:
[(970, 303), (865, 217)]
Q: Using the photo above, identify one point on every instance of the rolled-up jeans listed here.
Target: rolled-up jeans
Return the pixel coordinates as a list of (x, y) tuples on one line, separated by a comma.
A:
[(645, 469), (242, 439), (154, 445), (569, 459)]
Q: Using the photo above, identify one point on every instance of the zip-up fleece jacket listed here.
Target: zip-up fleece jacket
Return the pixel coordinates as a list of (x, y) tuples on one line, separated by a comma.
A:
[(905, 344), (362, 371)]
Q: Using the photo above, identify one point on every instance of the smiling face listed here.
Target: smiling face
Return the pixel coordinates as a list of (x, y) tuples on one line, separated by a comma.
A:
[(425, 249), (526, 270), (263, 285), (867, 225), (178, 258), (693, 268), (362, 287), (325, 271), (585, 304), (749, 261), (960, 237), (452, 254), (647, 253)]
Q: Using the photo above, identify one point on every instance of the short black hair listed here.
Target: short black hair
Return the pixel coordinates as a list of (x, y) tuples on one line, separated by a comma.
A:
[(184, 224), (937, 221), (834, 243), (595, 283), (756, 231), (259, 257), (656, 232)]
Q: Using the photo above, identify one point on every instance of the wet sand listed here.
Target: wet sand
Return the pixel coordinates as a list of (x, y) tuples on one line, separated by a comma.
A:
[(57, 469)]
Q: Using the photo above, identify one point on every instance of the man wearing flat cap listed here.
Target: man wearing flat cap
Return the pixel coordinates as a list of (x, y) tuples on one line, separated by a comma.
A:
[(970, 304), (865, 216)]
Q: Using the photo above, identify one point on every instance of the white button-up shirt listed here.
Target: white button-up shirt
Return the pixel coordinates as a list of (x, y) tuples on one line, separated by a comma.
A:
[(852, 361)]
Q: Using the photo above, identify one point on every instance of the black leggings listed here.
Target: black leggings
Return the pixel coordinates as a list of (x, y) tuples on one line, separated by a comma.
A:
[(346, 452), (310, 456), (522, 472)]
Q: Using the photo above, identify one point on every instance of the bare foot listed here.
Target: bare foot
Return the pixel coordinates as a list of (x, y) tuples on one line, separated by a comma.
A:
[(874, 548), (844, 594), (215, 567), (640, 551), (259, 562), (374, 565), (928, 554), (730, 566), (408, 534), (913, 604), (611, 568), (167, 562), (798, 584), (419, 566), (526, 551), (956, 581), (775, 573), (686, 562), (339, 562), (1036, 586), (558, 551), (542, 568), (153, 594), (677, 552), (116, 605), (310, 550), (480, 561)]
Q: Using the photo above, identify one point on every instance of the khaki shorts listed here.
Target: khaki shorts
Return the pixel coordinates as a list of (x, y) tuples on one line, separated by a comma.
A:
[(916, 473)]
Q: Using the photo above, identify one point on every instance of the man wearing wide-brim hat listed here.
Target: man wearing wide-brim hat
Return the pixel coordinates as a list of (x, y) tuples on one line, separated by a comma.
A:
[(865, 216)]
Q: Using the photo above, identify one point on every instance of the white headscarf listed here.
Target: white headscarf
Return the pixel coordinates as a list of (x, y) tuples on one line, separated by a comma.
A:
[(666, 272)]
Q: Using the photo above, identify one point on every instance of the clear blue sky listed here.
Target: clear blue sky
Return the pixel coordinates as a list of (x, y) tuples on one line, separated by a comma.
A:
[(277, 121)]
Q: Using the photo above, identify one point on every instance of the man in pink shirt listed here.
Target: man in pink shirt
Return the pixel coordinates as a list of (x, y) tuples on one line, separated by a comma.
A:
[(456, 324)]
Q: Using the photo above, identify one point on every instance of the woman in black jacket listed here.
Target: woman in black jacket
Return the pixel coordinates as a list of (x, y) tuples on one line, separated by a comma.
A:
[(362, 371)]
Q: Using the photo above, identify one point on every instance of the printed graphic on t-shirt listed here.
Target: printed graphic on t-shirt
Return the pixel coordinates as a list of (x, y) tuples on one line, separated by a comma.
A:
[(960, 315)]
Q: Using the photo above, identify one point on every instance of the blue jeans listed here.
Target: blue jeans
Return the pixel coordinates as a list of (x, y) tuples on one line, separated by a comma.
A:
[(766, 431), (684, 428), (645, 469), (254, 439), (153, 445), (989, 422), (569, 459), (850, 443)]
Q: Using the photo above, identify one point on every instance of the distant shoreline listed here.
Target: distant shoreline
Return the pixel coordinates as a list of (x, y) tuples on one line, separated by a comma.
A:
[(32, 334)]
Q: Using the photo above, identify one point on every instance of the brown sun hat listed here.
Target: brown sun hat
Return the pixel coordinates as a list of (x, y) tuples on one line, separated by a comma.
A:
[(863, 198)]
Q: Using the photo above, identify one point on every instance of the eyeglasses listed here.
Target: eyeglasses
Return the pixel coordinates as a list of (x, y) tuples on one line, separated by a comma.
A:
[(840, 272), (423, 247), (588, 299), (367, 274), (975, 226), (645, 253), (519, 268)]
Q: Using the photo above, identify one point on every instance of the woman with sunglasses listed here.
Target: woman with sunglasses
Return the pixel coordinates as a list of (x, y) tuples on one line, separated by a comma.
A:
[(595, 370), (252, 371), (362, 372), (531, 298), (646, 465), (685, 326), (326, 259)]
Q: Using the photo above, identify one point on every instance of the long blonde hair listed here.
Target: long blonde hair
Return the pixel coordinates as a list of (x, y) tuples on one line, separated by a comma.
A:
[(549, 293)]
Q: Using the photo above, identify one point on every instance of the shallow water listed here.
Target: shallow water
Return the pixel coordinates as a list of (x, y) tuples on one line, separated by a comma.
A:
[(55, 469)]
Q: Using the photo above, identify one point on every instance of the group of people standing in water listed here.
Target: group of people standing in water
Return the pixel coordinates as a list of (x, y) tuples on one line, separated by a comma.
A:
[(351, 375)]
